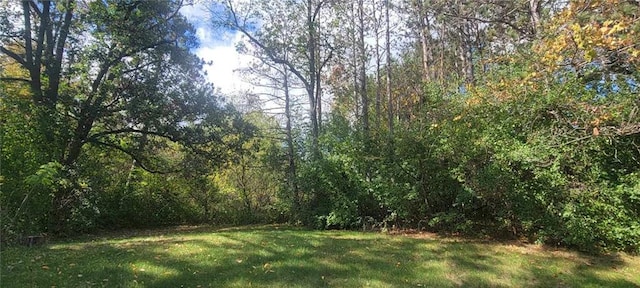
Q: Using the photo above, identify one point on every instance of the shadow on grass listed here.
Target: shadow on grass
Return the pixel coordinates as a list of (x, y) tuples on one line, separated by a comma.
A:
[(287, 257), (484, 265)]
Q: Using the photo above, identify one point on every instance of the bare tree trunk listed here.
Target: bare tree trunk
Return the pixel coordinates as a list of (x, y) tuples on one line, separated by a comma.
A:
[(243, 189), (355, 62), (376, 29), (534, 10), (362, 71), (318, 70), (442, 49), (311, 50), (291, 177), (425, 36), (388, 69), (465, 53)]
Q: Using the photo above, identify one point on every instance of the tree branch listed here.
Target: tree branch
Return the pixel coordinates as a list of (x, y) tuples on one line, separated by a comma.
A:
[(133, 156), (513, 26), (266, 49), (35, 8), (55, 58), (130, 130), (14, 56), (15, 79)]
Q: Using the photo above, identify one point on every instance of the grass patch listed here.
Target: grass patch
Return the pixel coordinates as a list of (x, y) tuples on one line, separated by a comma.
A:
[(274, 256)]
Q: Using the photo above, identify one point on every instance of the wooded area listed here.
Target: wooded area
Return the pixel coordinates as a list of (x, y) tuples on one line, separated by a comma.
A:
[(492, 118)]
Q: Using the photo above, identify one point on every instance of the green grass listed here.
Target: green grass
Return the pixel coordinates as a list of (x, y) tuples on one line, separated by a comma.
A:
[(273, 256)]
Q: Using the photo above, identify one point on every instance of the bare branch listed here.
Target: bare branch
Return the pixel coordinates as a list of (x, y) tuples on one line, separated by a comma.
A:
[(513, 26)]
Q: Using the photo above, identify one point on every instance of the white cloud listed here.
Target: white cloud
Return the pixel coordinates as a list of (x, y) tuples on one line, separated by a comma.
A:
[(218, 47), (225, 61), (195, 13)]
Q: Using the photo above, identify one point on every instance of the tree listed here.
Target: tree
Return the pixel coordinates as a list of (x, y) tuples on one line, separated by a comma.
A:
[(362, 68), (111, 74), (387, 48), (306, 54), (278, 79)]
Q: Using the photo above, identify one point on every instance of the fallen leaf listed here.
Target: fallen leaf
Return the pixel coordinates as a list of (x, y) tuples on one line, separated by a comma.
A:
[(45, 267)]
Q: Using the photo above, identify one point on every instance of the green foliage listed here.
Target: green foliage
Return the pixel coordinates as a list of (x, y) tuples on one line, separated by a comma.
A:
[(48, 177), (552, 164), (132, 89), (22, 208), (249, 188)]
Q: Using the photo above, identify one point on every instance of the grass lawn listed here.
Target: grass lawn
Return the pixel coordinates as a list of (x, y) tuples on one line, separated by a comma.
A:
[(276, 256)]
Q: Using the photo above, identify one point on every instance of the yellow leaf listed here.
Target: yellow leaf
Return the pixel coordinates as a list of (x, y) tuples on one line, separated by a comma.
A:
[(616, 28), (590, 55), (575, 27)]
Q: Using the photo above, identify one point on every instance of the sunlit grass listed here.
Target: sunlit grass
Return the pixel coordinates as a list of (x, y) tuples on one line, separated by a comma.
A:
[(273, 256)]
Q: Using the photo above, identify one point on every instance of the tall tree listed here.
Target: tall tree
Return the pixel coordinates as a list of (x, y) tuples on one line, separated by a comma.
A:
[(281, 94), (377, 23), (103, 71), (362, 68), (306, 64), (387, 48)]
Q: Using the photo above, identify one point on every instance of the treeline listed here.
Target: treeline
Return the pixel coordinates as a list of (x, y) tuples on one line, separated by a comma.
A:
[(494, 118)]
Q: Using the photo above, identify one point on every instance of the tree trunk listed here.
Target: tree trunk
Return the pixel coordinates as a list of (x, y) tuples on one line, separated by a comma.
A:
[(378, 60), (534, 10), (362, 71), (291, 173), (388, 71), (311, 88), (425, 42)]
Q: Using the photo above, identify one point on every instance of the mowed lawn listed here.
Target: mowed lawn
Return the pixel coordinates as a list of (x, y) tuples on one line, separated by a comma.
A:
[(279, 256)]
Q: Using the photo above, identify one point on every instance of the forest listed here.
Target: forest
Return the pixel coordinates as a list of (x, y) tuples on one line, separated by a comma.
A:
[(502, 119)]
